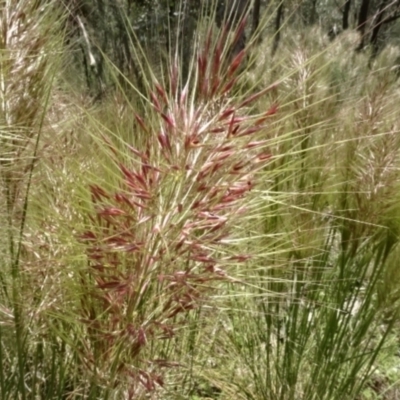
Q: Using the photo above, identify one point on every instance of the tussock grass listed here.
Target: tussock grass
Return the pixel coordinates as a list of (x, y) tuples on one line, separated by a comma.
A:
[(229, 231)]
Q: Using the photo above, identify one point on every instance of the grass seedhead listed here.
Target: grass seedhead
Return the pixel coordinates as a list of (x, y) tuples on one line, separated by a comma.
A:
[(29, 42), (155, 244), (194, 232)]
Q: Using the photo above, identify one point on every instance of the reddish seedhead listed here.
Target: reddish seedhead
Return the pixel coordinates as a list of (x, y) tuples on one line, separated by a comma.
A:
[(156, 244)]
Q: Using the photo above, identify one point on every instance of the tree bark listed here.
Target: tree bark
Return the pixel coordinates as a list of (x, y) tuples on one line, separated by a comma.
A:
[(346, 14), (256, 15), (362, 22)]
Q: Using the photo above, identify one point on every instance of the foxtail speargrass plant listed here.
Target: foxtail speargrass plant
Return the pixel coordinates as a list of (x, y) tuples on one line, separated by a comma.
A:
[(28, 59), (186, 240), (313, 319), (155, 245)]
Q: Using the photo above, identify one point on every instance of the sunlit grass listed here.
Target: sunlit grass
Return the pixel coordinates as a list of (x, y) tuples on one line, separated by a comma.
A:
[(229, 235)]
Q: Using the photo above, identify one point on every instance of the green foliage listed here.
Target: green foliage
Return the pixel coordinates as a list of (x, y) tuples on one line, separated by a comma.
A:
[(27, 73), (224, 231)]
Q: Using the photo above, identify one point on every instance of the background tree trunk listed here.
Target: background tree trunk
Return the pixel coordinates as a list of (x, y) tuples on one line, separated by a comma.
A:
[(346, 14), (362, 22), (256, 15)]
